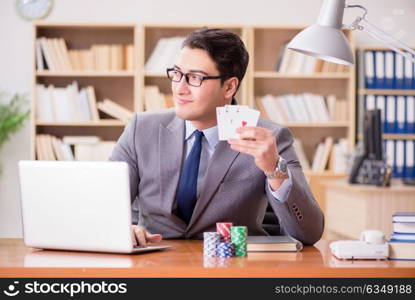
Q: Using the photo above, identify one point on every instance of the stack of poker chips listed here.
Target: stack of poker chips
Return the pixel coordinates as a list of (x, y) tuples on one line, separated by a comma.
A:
[(225, 249), (239, 235), (224, 229), (228, 241), (210, 242)]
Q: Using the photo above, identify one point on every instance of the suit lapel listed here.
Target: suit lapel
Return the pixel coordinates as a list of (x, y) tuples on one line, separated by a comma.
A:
[(219, 165), (170, 157)]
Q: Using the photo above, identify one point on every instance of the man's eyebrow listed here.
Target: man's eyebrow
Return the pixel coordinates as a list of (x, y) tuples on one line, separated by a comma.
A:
[(192, 71)]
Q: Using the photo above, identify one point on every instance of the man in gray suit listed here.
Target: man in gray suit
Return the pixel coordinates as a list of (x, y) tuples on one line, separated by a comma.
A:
[(184, 180)]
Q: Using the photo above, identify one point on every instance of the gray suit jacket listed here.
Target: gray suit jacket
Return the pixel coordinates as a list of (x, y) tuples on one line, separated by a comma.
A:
[(234, 189)]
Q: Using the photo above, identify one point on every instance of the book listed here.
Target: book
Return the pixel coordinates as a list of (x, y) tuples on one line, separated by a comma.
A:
[(40, 66), (400, 250), (328, 145), (39, 148), (273, 243), (50, 64), (408, 237), (302, 158), (402, 227), (92, 103), (406, 216), (57, 149), (318, 155), (115, 110)]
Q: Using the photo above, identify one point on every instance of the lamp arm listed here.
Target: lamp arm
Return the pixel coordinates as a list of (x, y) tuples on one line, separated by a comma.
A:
[(362, 24)]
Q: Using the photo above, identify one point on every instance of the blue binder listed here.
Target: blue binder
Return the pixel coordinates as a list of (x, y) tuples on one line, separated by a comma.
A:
[(369, 69), (390, 155), (410, 114), (400, 114), (379, 69), (409, 74), (409, 159), (399, 71), (390, 110), (400, 158), (389, 70), (381, 104)]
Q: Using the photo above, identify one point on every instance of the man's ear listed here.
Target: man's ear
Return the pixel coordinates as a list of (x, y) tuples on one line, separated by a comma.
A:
[(231, 85)]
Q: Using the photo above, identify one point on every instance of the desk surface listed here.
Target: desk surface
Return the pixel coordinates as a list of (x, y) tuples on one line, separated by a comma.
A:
[(185, 259)]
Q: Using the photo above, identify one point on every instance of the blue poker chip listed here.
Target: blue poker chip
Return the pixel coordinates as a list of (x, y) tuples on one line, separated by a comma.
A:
[(225, 249)]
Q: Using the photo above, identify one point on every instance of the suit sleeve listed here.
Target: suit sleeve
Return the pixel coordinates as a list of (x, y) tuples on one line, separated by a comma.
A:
[(125, 151), (300, 215)]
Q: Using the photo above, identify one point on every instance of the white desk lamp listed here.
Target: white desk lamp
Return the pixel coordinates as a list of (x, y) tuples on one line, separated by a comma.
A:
[(325, 40)]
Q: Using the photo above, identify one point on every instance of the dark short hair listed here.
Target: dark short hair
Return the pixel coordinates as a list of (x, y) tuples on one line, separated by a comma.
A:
[(225, 48)]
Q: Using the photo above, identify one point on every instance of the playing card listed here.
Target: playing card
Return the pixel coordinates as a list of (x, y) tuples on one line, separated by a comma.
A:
[(231, 117), (221, 116)]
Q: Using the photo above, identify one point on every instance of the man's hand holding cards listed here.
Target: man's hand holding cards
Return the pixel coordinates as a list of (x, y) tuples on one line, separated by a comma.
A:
[(231, 117)]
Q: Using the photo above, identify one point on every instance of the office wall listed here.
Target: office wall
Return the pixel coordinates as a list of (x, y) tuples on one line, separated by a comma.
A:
[(394, 16)]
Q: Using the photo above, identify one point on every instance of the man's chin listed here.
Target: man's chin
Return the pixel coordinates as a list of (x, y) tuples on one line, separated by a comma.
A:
[(184, 114)]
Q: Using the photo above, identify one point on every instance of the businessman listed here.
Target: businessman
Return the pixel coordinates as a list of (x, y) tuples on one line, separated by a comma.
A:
[(183, 179)]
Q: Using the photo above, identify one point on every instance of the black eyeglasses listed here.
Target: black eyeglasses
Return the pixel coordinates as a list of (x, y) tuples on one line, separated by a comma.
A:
[(192, 79)]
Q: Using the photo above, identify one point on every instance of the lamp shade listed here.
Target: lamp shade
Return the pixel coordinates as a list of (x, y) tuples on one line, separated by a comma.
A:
[(324, 42)]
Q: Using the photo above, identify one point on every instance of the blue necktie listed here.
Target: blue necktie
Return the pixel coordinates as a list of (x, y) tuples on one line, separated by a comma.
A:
[(186, 194)]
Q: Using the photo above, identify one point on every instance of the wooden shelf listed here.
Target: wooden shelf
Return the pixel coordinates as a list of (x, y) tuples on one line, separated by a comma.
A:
[(387, 92), (83, 25), (86, 74), (390, 136), (271, 74), (102, 123), (155, 75), (407, 136), (317, 125)]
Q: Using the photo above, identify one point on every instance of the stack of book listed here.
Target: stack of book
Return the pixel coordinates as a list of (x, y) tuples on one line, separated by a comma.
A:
[(52, 54), (292, 62), (164, 55), (330, 154), (402, 242), (71, 104), (49, 147), (89, 148), (303, 108)]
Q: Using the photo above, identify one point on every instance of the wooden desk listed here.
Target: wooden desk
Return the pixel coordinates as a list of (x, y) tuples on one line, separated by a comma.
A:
[(185, 259), (352, 208)]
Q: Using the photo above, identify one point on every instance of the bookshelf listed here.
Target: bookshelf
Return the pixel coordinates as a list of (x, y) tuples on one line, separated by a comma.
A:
[(387, 80), (116, 83), (265, 44)]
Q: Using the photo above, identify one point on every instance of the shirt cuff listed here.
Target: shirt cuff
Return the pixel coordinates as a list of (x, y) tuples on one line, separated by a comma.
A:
[(281, 194)]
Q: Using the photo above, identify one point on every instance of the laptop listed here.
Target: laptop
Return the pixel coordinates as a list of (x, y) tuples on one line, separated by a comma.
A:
[(78, 206)]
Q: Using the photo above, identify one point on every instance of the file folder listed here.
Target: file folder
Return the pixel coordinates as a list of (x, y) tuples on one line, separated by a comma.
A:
[(400, 158), (410, 158), (400, 114), (390, 114), (410, 114)]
